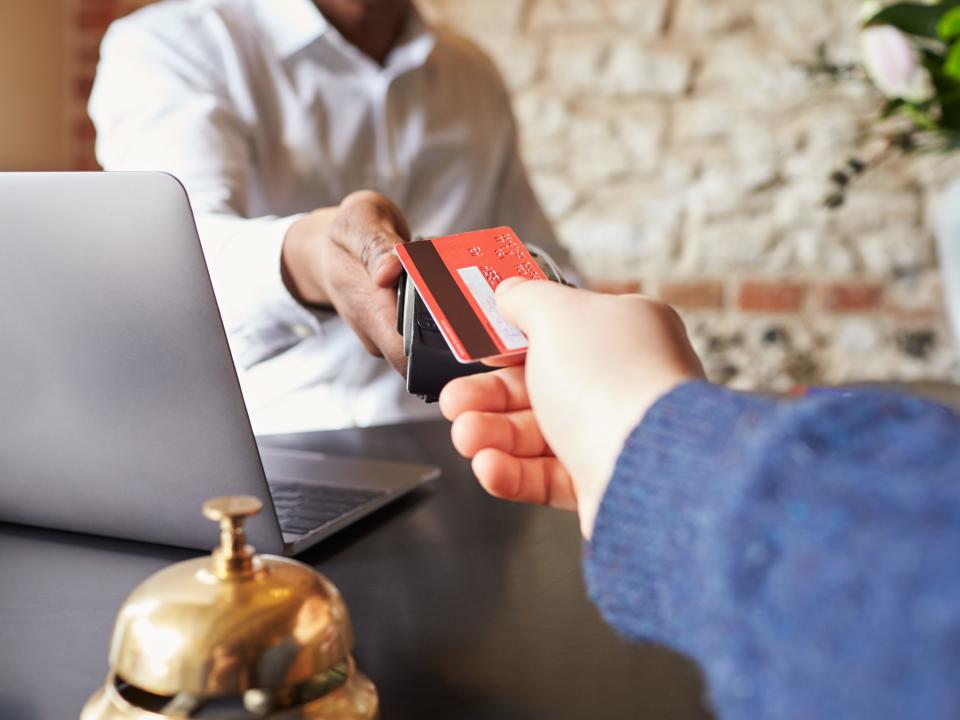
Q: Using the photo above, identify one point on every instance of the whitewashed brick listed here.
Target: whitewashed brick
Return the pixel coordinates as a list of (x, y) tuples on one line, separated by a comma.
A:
[(895, 248), (641, 135), (796, 28), (543, 154), (633, 69), (549, 15), (743, 243), (718, 191), (746, 71), (643, 18), (703, 18), (758, 156), (815, 251), (642, 235), (476, 17), (704, 118), (541, 114), (597, 162), (867, 211), (574, 62), (519, 60), (859, 336), (595, 153), (828, 129), (556, 193), (921, 290)]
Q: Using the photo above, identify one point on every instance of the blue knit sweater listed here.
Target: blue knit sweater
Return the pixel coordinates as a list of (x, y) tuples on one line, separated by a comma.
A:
[(805, 553)]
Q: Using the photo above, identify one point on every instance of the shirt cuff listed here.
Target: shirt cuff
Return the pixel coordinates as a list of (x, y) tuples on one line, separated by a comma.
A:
[(260, 315), (668, 491)]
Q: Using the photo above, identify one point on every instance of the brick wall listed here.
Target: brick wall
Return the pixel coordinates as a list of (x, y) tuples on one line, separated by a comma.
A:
[(683, 149)]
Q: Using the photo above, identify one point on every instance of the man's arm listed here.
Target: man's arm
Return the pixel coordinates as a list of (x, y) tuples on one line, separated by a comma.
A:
[(804, 553), (161, 106), (160, 102)]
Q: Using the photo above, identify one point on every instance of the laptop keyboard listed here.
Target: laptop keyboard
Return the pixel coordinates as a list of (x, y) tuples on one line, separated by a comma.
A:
[(302, 507)]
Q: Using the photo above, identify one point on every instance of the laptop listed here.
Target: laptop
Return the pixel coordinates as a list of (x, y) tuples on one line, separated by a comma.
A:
[(120, 408)]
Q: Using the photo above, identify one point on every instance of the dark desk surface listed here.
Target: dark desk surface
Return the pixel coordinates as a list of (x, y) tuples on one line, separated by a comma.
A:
[(464, 606)]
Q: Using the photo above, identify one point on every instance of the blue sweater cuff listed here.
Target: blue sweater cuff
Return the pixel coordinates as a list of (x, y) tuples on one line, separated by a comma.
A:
[(663, 502)]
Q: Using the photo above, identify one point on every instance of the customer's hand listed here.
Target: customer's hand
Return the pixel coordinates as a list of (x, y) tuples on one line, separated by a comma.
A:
[(550, 431), (344, 257)]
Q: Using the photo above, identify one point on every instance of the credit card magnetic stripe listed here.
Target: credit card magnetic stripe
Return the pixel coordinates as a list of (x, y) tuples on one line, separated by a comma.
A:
[(459, 315)]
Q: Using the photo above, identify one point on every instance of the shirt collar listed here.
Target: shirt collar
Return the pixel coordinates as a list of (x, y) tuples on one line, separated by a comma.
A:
[(291, 25), (413, 47)]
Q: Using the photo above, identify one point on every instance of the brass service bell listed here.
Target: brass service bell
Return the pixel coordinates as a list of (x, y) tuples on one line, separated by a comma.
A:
[(233, 635)]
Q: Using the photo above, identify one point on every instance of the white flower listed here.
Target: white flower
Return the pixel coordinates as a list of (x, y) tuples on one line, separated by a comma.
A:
[(892, 64)]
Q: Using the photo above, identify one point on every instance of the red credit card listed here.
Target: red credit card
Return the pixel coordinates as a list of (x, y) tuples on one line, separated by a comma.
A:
[(456, 276)]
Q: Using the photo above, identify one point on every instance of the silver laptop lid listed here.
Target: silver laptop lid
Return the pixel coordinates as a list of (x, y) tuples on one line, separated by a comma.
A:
[(120, 410)]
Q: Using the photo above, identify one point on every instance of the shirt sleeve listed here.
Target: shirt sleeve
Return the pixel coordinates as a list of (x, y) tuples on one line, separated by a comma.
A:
[(803, 552), (160, 103)]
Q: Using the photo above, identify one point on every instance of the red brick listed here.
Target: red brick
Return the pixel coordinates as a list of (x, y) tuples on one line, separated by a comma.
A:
[(99, 4), (613, 287), (777, 296), (852, 296), (692, 293), (915, 314), (87, 56), (85, 160), (83, 130), (96, 19), (82, 87)]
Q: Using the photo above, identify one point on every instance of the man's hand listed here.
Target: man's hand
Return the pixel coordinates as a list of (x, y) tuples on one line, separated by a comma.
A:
[(344, 257), (550, 431)]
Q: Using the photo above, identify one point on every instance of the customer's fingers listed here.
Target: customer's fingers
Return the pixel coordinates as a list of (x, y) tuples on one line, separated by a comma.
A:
[(540, 481), (516, 433), (498, 391), (368, 225), (529, 304)]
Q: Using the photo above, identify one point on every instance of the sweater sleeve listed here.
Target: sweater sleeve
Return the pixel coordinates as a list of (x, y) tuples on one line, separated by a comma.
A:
[(803, 552)]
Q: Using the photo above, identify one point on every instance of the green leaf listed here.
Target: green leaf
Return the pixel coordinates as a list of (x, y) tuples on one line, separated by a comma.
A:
[(949, 25), (950, 116), (949, 103), (943, 84), (951, 66), (914, 18), (891, 107)]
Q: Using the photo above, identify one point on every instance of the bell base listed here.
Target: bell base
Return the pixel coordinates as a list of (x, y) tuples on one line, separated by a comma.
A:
[(356, 699)]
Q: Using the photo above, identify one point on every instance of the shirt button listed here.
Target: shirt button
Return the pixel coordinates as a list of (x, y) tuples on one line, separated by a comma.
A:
[(301, 330)]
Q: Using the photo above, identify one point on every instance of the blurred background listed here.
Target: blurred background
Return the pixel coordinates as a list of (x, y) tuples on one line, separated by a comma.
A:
[(682, 147)]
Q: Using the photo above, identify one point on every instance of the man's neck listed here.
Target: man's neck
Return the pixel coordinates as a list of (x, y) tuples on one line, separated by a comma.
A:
[(373, 27)]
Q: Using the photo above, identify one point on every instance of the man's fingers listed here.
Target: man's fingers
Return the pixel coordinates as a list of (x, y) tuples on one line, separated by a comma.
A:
[(388, 271), (540, 481), (498, 391), (516, 433), (382, 328), (368, 226), (376, 325)]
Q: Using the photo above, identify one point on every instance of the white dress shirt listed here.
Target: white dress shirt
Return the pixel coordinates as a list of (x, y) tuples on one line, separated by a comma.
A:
[(264, 112)]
